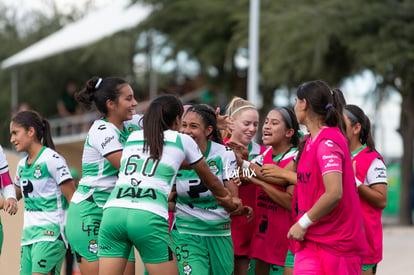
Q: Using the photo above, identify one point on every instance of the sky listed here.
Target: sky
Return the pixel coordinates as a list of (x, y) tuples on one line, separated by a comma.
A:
[(386, 120)]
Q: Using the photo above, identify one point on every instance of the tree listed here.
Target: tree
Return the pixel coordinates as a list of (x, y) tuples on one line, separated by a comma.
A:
[(46, 79), (304, 40), (379, 36)]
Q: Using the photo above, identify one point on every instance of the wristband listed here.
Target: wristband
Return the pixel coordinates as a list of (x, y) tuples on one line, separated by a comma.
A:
[(9, 192), (358, 182), (304, 221), (245, 164)]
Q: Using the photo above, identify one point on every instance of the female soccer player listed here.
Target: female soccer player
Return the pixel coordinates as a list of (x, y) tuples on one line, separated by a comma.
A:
[(329, 229), (244, 121), (44, 181), (114, 99), (201, 230), (371, 179), (8, 200), (274, 196), (136, 213), (274, 202)]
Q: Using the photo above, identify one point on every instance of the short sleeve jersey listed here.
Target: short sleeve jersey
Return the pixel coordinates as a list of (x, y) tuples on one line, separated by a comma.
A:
[(197, 211), (4, 166), (377, 173), (98, 174), (329, 157), (45, 207), (145, 183), (6, 185)]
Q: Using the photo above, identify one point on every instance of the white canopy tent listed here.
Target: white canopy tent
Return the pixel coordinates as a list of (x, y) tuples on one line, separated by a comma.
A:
[(118, 16)]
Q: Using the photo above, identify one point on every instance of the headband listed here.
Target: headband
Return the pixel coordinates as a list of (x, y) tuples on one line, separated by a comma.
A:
[(241, 108), (286, 116), (351, 116)]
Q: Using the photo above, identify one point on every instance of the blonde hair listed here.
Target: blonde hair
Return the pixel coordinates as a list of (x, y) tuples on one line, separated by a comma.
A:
[(233, 109), (237, 104)]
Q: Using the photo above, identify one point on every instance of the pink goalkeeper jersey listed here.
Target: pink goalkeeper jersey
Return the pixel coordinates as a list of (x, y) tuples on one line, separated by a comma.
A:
[(270, 242), (371, 215), (340, 232)]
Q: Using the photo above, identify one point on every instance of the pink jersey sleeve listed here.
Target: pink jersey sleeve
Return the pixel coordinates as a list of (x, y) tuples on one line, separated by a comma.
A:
[(5, 179), (329, 157)]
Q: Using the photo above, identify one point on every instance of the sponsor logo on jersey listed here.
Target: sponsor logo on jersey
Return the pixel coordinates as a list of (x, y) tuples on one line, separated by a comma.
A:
[(107, 141), (38, 173), (93, 247), (135, 182), (187, 268), (49, 233), (303, 177), (136, 192), (226, 226)]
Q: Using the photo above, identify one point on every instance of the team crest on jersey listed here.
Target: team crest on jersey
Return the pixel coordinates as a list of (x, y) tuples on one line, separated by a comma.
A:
[(38, 173), (93, 246), (213, 166), (130, 129), (187, 268)]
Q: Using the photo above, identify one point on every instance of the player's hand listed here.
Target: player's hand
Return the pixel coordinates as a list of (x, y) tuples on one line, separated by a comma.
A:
[(241, 151), (228, 202), (271, 170), (222, 121), (246, 211), (10, 206), (296, 232)]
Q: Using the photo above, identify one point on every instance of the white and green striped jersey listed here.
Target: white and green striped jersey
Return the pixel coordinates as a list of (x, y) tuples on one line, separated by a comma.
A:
[(254, 149), (4, 166), (98, 174), (196, 209), (144, 183), (45, 207)]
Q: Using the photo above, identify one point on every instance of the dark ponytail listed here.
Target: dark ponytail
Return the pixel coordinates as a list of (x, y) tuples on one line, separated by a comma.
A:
[(98, 90), (357, 115), (27, 119), (160, 116), (324, 102)]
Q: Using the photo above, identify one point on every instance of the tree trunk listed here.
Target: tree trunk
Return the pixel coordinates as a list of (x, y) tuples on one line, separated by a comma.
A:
[(407, 133)]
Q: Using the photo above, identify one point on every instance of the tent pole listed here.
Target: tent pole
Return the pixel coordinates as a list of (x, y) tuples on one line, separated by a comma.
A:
[(14, 89)]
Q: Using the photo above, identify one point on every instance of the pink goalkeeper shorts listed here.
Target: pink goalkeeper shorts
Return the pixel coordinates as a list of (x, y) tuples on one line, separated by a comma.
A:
[(314, 260)]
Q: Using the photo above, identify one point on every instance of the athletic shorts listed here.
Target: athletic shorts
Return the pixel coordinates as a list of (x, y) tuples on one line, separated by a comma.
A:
[(290, 259), (276, 269), (313, 259), (252, 267), (1, 235), (42, 257), (82, 230), (203, 255), (366, 267), (123, 228)]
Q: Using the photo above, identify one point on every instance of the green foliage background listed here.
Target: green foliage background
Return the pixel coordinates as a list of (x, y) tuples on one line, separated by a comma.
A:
[(299, 41)]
